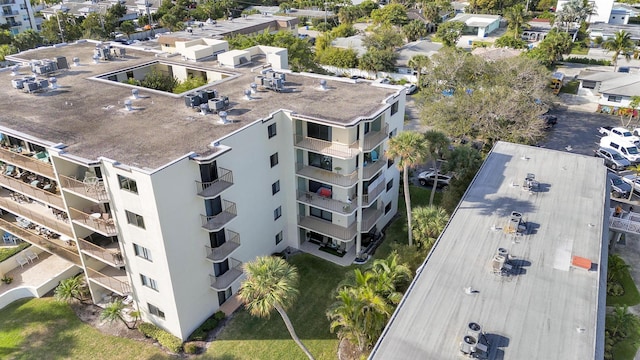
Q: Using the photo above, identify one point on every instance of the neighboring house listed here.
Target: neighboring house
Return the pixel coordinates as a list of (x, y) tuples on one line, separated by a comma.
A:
[(310, 13), (161, 202), (609, 31), (537, 30), (135, 8), (480, 25), (620, 14), (352, 42), (602, 11), (18, 15), (421, 47), (614, 89)]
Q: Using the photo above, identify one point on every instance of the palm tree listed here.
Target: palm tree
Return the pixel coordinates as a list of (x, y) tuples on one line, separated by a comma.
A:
[(621, 321), (345, 315), (620, 44), (390, 271), (410, 147), (636, 171), (271, 283), (113, 312), (437, 143), (419, 64), (616, 267), (70, 289), (516, 17), (633, 106), (429, 222)]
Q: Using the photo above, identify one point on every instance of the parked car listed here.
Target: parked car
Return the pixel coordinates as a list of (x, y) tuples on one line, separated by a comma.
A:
[(383, 81), (411, 88), (123, 41), (619, 132), (626, 148), (612, 159), (634, 181), (428, 177), (619, 188)]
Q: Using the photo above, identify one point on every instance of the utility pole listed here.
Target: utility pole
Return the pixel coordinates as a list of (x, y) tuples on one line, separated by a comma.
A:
[(60, 26), (147, 5)]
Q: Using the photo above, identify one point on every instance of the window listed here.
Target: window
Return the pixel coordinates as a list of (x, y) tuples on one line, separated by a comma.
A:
[(322, 214), (128, 184), (274, 159), (135, 219), (142, 252), (588, 84), (149, 282), (271, 130), (277, 213), (393, 133), (155, 311), (614, 98), (317, 131), (390, 185), (224, 295), (394, 108), (275, 187), (390, 162), (279, 238), (387, 208)]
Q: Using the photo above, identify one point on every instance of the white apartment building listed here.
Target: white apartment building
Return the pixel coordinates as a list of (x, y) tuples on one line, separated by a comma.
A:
[(18, 14), (602, 10), (155, 200)]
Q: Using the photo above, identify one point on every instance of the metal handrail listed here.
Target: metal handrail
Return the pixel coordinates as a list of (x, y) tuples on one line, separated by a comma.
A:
[(32, 191), (56, 225), (327, 203), (326, 147), (223, 251), (225, 280), (94, 191), (369, 219), (97, 224), (112, 283), (219, 220), (327, 176), (328, 228), (215, 187), (372, 168), (373, 193), (27, 163), (113, 257), (374, 138)]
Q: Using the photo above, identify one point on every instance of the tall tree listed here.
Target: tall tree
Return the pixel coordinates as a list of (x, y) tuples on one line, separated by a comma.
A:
[(429, 222), (398, 274), (410, 147), (271, 283), (393, 14), (551, 49), (437, 144), (419, 64), (414, 30), (464, 162), (28, 39), (113, 312), (616, 267), (516, 17), (622, 321), (450, 32), (128, 28), (620, 44)]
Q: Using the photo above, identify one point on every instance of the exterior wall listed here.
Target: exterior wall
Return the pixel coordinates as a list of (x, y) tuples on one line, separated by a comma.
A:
[(19, 13), (603, 10), (624, 103), (619, 17)]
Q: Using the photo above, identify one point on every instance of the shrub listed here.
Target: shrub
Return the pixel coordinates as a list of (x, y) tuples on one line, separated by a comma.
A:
[(189, 84), (220, 315), (164, 338), (615, 289), (191, 348), (201, 332), (587, 61)]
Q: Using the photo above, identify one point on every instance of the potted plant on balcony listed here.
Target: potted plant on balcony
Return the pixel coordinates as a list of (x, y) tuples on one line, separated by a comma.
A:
[(337, 169)]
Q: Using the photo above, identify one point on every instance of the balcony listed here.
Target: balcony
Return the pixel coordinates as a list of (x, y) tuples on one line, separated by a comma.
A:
[(7, 2), (111, 278), (34, 212), (109, 254), (15, 23), (27, 162), (58, 247), (368, 199), (212, 189), (225, 280), (326, 203), (373, 168), (328, 228), (326, 176), (99, 222), (31, 191), (223, 251), (370, 217), (326, 147), (218, 221), (374, 138), (92, 190), (9, 12)]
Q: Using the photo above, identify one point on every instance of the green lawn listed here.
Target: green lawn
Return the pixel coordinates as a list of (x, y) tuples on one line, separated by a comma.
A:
[(7, 252), (46, 329), (631, 296), (571, 87), (579, 50)]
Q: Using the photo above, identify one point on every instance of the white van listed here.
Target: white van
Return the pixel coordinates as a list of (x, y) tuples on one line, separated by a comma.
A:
[(626, 148)]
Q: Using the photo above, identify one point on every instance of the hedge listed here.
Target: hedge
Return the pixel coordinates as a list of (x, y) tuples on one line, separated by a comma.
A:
[(588, 61), (201, 332), (165, 339)]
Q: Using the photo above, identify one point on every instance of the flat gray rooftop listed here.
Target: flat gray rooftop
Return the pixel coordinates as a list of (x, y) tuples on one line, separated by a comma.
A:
[(89, 117), (547, 309)]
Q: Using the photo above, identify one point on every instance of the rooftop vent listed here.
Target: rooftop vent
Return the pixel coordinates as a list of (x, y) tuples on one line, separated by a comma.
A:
[(530, 183), (96, 59), (135, 93), (223, 117), (247, 94), (204, 109), (127, 105), (503, 252), (468, 345), (474, 330), (18, 83), (53, 83), (15, 70), (254, 88), (76, 61), (323, 85)]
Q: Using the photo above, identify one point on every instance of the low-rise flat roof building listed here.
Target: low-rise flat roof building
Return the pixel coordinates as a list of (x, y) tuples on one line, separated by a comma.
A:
[(513, 286)]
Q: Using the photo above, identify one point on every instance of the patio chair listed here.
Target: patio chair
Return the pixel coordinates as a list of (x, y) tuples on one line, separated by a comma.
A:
[(31, 255), (10, 170), (374, 156), (22, 261)]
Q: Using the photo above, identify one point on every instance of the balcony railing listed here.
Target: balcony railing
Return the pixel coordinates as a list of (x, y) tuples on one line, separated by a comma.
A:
[(27, 162), (325, 147), (14, 207), (54, 246), (368, 199), (328, 228), (225, 280), (112, 257), (216, 222), (7, 2), (326, 203), (94, 221), (214, 188), (120, 287), (223, 251), (327, 176), (370, 217), (372, 168), (31, 191), (15, 23), (95, 191), (374, 138), (9, 12)]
